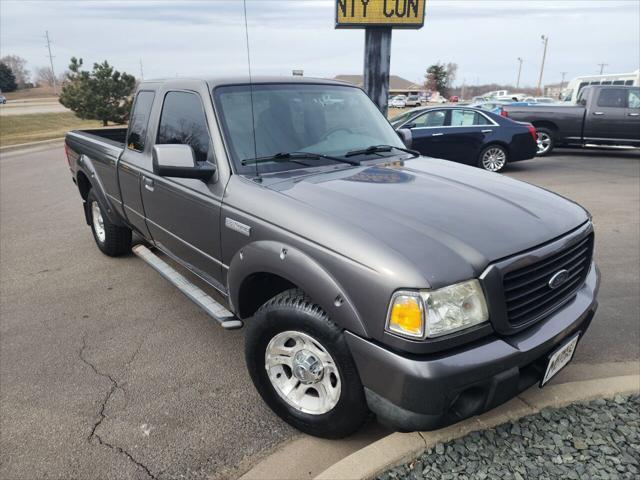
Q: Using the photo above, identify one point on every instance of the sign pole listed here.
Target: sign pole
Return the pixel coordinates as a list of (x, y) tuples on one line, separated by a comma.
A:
[(377, 62)]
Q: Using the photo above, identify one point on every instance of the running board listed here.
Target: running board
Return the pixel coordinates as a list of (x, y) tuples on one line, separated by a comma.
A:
[(224, 317)]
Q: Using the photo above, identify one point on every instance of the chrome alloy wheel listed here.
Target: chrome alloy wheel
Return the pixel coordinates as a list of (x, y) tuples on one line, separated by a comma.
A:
[(302, 372), (98, 223), (543, 141), (494, 159)]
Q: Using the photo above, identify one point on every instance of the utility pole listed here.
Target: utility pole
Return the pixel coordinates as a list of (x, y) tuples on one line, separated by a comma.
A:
[(141, 71), (562, 83), (545, 40), (53, 73), (602, 65), (519, 72)]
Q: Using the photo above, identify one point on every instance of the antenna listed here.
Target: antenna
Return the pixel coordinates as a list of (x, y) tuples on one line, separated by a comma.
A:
[(53, 74), (253, 119)]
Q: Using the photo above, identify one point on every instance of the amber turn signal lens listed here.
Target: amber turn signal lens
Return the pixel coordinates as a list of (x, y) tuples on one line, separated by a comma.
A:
[(405, 316)]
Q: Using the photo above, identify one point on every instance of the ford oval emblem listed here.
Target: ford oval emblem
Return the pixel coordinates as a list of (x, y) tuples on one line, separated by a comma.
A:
[(558, 278)]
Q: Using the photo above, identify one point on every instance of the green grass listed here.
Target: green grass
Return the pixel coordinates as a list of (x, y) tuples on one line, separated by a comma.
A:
[(16, 129)]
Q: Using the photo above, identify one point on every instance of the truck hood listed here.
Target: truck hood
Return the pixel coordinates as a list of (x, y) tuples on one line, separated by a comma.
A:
[(441, 216)]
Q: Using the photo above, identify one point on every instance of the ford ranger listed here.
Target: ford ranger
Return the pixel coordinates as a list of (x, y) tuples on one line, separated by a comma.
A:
[(369, 278), (603, 115)]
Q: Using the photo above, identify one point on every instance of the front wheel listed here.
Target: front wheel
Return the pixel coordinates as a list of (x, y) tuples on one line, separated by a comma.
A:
[(493, 158), (301, 366), (545, 141)]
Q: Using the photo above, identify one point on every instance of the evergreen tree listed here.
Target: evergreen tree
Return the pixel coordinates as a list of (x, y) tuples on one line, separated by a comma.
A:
[(436, 79), (103, 94), (7, 79)]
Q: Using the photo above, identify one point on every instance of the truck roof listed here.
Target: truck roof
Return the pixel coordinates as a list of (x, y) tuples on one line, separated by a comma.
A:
[(245, 80)]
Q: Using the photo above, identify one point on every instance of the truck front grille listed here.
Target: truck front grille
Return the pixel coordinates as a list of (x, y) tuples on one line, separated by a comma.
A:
[(528, 295)]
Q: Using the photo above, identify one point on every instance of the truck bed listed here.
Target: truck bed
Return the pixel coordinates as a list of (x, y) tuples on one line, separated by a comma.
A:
[(115, 136)]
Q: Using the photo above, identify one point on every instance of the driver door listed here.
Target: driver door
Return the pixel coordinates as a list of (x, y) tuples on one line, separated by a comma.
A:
[(183, 214)]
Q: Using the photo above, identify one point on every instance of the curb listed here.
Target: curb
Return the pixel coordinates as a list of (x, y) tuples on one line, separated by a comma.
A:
[(399, 448), (19, 146)]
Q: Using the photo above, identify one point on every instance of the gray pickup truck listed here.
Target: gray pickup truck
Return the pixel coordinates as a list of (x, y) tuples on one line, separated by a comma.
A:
[(370, 279), (603, 115)]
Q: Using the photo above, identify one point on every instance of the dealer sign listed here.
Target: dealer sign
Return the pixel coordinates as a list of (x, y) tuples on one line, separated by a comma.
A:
[(380, 13)]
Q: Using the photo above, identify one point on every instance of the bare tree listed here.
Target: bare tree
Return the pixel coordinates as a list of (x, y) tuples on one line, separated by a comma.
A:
[(44, 77), (452, 70), (18, 67)]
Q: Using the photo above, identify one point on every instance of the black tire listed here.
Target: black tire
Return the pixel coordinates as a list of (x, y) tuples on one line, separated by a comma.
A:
[(117, 240), (292, 310), (549, 135), (499, 149)]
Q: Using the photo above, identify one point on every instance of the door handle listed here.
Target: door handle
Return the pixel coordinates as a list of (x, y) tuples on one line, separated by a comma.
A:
[(436, 134), (598, 113), (148, 183), (487, 131), (633, 114)]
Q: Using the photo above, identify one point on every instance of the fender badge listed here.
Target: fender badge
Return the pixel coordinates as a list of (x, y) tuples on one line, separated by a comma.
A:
[(237, 226)]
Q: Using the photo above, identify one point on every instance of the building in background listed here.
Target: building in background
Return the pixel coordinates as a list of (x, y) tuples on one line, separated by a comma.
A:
[(397, 85)]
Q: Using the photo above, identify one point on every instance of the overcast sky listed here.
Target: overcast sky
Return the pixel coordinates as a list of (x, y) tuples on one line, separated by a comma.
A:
[(208, 38)]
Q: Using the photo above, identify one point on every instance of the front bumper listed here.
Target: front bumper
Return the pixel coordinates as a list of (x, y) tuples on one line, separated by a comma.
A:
[(425, 393)]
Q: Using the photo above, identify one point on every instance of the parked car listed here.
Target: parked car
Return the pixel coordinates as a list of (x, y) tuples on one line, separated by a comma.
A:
[(493, 106), (368, 278), (3, 99), (468, 135), (539, 100), (399, 101), (413, 101), (604, 115), (454, 99), (479, 99)]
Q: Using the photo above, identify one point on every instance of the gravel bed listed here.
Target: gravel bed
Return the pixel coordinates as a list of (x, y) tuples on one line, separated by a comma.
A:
[(598, 439)]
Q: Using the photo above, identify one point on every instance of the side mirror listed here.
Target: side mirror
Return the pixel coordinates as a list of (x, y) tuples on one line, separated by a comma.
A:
[(405, 135), (179, 161)]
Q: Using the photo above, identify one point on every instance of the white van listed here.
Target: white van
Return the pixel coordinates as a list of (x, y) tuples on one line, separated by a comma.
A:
[(570, 93)]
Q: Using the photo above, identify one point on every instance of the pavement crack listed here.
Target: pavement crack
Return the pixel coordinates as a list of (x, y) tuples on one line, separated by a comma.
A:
[(103, 405)]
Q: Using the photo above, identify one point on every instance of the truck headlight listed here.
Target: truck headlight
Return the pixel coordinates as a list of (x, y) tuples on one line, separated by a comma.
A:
[(432, 313)]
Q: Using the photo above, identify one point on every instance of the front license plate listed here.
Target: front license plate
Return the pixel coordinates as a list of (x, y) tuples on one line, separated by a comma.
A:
[(560, 358)]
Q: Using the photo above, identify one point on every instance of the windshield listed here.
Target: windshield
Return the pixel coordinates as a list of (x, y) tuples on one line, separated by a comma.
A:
[(321, 119)]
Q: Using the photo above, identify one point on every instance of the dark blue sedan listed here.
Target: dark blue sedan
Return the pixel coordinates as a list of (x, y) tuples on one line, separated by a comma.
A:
[(468, 135)]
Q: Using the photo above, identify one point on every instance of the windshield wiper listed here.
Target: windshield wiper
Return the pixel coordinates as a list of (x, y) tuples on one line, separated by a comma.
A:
[(380, 148), (293, 156)]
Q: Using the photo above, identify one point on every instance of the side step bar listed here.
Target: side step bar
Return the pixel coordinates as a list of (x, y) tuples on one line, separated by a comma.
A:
[(224, 317)]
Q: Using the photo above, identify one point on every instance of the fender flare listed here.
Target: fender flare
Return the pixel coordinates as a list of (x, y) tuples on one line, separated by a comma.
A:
[(278, 258), (85, 165)]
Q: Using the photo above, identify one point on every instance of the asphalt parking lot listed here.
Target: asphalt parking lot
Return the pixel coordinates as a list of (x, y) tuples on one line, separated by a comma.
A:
[(106, 371)]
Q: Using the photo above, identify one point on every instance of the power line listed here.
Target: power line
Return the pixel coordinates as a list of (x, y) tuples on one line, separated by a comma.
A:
[(53, 73)]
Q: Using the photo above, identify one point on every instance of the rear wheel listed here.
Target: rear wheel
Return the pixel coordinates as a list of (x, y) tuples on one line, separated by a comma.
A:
[(545, 141), (301, 366), (111, 239), (493, 158)]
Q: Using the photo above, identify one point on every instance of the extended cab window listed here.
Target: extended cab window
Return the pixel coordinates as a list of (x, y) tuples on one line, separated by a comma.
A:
[(183, 122), (139, 120), (613, 97)]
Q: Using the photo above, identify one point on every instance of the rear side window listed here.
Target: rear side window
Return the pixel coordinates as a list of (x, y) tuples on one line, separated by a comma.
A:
[(140, 120), (613, 97), (183, 122), (634, 98)]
